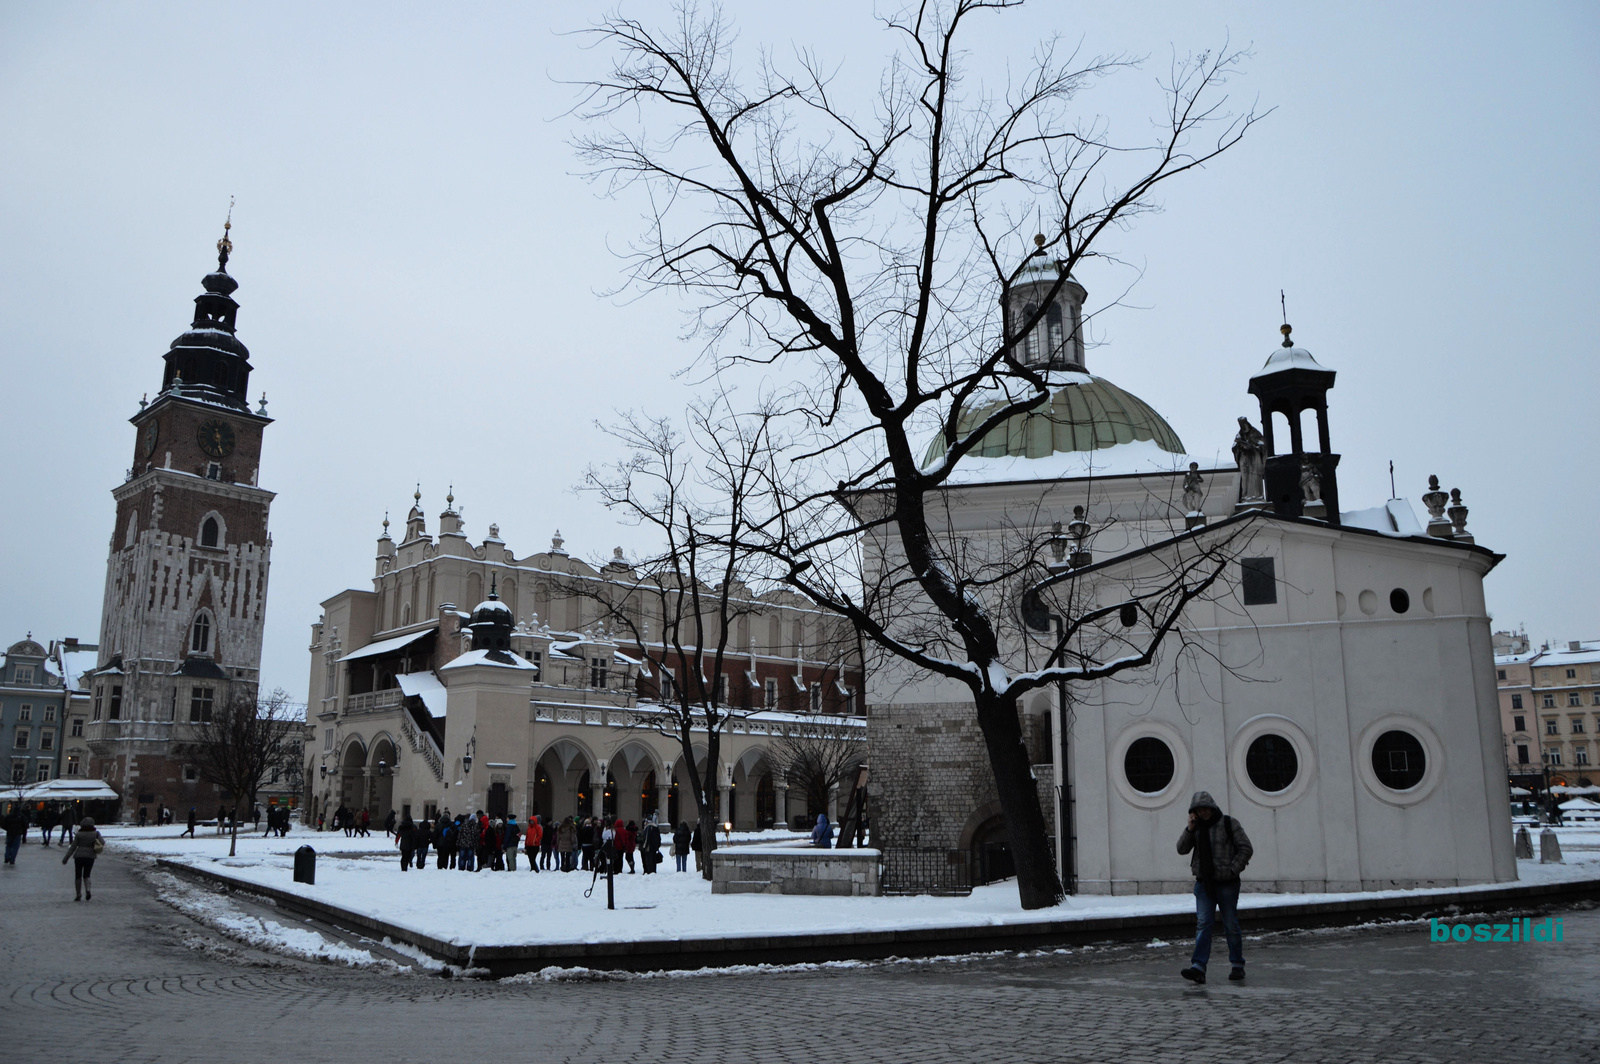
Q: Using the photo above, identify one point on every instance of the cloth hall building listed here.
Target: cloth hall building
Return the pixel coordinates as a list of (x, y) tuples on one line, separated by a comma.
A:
[(529, 703)]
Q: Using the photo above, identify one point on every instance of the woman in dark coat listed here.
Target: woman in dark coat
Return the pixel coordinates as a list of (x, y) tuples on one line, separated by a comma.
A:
[(424, 839), (680, 846), (86, 845), (406, 836)]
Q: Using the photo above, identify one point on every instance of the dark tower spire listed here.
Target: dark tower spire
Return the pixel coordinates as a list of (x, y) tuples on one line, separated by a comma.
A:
[(209, 358)]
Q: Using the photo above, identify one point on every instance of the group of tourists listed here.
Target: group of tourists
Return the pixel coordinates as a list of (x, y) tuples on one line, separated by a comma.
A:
[(476, 842), (357, 822)]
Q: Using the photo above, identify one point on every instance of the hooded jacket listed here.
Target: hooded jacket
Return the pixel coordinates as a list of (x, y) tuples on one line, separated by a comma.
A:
[(1230, 846)]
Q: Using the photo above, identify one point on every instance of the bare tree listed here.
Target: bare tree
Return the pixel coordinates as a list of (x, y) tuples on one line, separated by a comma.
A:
[(245, 739), (819, 753), (682, 604), (864, 254)]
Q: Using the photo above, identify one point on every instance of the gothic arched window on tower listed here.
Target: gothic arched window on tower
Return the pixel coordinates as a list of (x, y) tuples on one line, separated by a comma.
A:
[(133, 529), (210, 532), (1030, 339), (1058, 357), (200, 635)]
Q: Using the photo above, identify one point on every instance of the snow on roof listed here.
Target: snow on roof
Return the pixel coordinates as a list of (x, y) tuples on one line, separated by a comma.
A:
[(1516, 659), (426, 686), (1122, 459), (1289, 358), (481, 657), (1394, 518), (78, 664), (384, 646), (1586, 654)]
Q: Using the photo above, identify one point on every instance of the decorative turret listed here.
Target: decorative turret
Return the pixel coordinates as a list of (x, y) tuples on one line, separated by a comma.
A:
[(1299, 483), (209, 359), (416, 521), (1056, 340), (492, 622)]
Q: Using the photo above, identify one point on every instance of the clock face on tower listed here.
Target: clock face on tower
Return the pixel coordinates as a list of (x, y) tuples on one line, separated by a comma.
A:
[(148, 437), (216, 438)]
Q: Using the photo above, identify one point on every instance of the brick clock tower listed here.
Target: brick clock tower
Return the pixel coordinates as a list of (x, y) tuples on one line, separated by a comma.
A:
[(186, 580)]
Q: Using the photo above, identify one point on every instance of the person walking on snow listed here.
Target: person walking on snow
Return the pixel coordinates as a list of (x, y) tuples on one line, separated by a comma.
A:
[(1219, 851), (194, 818), (16, 831), (86, 845), (533, 841)]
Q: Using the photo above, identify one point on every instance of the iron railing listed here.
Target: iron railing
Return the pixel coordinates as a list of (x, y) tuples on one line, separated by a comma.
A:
[(926, 870)]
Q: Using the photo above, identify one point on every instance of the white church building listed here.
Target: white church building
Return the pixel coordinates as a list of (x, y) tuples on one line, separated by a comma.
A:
[(1336, 694)]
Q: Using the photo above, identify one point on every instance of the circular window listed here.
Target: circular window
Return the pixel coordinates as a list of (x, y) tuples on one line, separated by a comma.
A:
[(1271, 764), (1398, 760), (1149, 765), (1399, 601)]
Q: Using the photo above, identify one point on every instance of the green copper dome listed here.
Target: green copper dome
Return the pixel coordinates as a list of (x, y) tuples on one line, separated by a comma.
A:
[(1085, 414)]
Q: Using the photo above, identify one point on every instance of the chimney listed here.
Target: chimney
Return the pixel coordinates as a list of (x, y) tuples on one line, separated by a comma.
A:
[(1572, 647), (72, 642)]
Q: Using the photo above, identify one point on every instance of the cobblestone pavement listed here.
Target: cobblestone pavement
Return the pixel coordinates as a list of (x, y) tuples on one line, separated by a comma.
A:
[(125, 978)]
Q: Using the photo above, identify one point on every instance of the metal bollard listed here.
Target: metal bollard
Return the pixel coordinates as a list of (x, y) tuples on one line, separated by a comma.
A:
[(305, 865), (1549, 848)]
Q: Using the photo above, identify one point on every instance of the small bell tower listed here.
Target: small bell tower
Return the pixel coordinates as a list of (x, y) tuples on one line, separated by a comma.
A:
[(1300, 482)]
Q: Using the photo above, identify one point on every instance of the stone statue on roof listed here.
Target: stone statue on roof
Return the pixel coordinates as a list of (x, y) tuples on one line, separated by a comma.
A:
[(1250, 455)]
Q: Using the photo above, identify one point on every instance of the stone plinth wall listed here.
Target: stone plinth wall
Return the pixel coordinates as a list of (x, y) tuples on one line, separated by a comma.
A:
[(795, 870), (931, 783)]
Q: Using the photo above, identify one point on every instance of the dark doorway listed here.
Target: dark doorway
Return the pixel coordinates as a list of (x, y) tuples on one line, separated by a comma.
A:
[(499, 800), (672, 802), (648, 803), (991, 852), (766, 803)]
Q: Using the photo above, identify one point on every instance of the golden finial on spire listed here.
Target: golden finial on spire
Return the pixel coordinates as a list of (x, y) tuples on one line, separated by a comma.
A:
[(225, 246)]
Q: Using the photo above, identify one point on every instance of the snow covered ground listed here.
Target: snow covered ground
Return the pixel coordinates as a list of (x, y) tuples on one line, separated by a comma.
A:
[(525, 908)]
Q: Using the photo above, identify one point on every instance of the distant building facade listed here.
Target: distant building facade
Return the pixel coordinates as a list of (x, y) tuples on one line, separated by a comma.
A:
[(529, 703), (32, 710), (1550, 711), (186, 575)]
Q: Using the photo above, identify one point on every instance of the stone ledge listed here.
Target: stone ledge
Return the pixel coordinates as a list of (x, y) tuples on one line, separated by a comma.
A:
[(655, 954)]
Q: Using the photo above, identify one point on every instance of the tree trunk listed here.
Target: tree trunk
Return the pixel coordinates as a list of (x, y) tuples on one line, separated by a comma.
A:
[(1037, 882), (708, 838)]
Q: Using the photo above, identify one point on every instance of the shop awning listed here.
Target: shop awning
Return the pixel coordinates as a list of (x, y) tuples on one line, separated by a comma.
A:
[(386, 646)]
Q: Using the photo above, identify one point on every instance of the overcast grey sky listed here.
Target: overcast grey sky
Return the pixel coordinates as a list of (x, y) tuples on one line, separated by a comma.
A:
[(422, 277)]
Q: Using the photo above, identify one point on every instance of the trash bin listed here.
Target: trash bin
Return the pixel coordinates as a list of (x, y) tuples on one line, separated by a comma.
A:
[(305, 865)]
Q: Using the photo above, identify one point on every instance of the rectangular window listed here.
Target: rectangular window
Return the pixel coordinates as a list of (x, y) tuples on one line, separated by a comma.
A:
[(201, 700), (99, 690), (1516, 701), (816, 698), (72, 764), (1574, 699), (1577, 725), (1597, 698), (1572, 674), (537, 657), (189, 774), (47, 737), (21, 741), (25, 712), (1550, 727), (667, 693), (49, 714), (42, 772), (77, 727), (23, 674), (597, 673), (1522, 753), (114, 711), (719, 689), (1549, 701), (19, 772), (1258, 581), (327, 738), (1580, 756), (850, 700), (1554, 756), (1501, 674), (771, 695), (1519, 723)]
